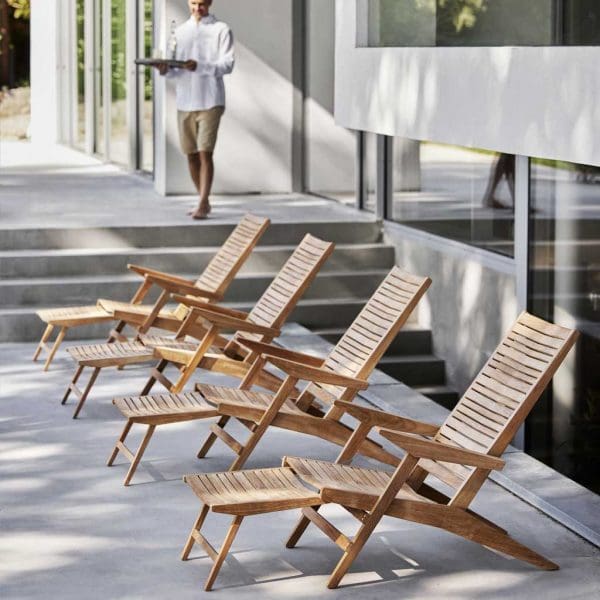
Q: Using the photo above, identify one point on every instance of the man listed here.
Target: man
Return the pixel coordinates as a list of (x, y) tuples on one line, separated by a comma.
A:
[(206, 45)]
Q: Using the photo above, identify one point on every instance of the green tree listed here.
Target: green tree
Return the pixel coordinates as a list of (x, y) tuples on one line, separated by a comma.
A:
[(21, 8)]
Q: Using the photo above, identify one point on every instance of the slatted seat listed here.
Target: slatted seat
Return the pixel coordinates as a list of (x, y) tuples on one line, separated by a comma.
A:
[(369, 483), (143, 409), (119, 354), (461, 453), (220, 395), (112, 306), (72, 315), (146, 409), (352, 359), (252, 492), (262, 323), (211, 285)]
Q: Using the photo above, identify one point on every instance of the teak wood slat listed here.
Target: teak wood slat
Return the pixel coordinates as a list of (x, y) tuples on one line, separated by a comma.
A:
[(214, 281), (447, 454)]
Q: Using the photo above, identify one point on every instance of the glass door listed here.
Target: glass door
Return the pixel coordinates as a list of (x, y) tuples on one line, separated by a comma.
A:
[(117, 108), (145, 139), (80, 124), (98, 96), (111, 105)]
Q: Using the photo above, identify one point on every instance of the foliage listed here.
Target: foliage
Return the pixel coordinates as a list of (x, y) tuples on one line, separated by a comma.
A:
[(21, 8), (462, 13), (424, 22), (118, 49)]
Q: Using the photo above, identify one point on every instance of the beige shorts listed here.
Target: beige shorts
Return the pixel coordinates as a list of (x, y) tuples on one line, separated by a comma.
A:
[(198, 129)]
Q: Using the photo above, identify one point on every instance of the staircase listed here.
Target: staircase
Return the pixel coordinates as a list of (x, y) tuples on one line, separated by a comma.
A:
[(42, 268)]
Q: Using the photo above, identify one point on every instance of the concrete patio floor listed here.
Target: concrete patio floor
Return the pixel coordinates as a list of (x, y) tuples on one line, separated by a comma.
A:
[(69, 529), (84, 193)]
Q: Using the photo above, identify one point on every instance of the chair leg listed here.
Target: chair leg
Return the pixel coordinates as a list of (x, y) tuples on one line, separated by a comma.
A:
[(299, 530), (248, 447), (196, 528), (350, 554), (212, 438), (44, 339), (490, 536), (231, 533), (152, 380), (59, 338), (77, 375), (86, 392), (121, 439), (138, 455)]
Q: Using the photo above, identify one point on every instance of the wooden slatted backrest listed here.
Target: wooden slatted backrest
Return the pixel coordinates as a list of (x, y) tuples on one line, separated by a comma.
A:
[(359, 350), (496, 404), (284, 292), (230, 257)]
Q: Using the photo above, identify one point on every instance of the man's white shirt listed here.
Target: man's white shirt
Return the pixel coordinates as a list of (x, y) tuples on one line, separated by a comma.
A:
[(210, 43)]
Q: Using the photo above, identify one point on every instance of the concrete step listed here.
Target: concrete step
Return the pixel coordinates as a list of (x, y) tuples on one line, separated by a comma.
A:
[(99, 261), (414, 370), (23, 325), (71, 291), (193, 235), (441, 394), (412, 339)]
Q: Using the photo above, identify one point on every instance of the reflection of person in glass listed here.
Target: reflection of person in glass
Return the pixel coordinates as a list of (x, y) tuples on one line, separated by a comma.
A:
[(206, 46), (504, 167)]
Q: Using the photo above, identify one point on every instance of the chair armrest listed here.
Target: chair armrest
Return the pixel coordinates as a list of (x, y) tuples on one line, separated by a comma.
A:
[(182, 286), (143, 271), (378, 418), (223, 310), (316, 374), (422, 448), (279, 352), (233, 323)]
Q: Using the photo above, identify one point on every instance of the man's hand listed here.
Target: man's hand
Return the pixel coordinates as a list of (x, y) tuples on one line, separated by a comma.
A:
[(190, 65)]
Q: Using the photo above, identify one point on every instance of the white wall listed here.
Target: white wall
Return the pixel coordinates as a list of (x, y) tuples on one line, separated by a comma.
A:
[(329, 148), (536, 101), (254, 149)]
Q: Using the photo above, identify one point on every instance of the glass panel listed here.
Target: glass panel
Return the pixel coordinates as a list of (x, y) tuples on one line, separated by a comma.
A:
[(370, 157), (98, 87), (79, 139), (483, 22), (119, 137), (458, 193), (564, 430), (147, 100)]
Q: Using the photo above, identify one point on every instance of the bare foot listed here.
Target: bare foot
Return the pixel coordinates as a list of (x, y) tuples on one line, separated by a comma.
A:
[(498, 204), (201, 212)]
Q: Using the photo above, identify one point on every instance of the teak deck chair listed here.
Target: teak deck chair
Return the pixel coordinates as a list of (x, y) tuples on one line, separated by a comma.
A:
[(461, 454), (206, 323), (340, 375), (210, 286)]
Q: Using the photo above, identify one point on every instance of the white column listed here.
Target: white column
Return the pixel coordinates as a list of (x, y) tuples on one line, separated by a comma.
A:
[(45, 71)]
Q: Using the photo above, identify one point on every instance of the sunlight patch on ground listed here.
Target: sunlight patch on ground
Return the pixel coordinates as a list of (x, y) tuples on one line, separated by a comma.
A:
[(33, 452), (28, 552)]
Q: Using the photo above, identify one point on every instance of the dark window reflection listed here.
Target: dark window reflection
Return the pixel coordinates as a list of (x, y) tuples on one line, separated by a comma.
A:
[(459, 193), (564, 430), (484, 23)]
